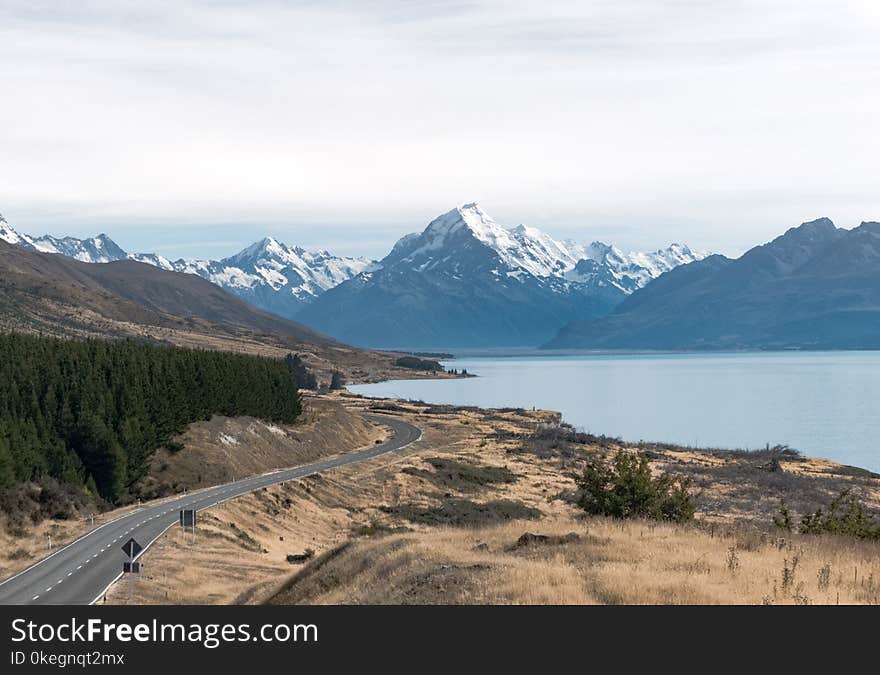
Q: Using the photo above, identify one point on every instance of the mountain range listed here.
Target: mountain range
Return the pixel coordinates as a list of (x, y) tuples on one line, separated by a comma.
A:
[(815, 287), (465, 281), (268, 274), (48, 293)]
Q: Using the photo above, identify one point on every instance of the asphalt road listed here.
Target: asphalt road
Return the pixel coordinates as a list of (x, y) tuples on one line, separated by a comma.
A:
[(81, 572)]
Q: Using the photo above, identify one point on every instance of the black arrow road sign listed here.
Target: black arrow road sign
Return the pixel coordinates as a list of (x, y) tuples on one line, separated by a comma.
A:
[(132, 548)]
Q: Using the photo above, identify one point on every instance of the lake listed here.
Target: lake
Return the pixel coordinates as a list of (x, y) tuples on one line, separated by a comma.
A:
[(825, 404)]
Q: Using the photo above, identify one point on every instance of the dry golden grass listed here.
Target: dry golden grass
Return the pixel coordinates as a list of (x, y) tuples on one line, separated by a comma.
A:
[(612, 563)]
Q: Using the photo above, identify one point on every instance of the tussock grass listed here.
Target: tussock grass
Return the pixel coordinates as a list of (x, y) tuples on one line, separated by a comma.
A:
[(463, 512), (614, 562)]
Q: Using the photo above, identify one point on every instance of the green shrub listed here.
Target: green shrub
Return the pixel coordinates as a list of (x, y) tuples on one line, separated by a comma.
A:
[(624, 487), (846, 515), (783, 519), (337, 381)]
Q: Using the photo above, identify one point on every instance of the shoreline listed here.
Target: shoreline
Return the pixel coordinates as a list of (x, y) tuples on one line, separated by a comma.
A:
[(523, 352), (647, 444), (684, 440)]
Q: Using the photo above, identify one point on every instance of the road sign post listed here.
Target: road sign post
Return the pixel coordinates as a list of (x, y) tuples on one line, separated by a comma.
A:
[(188, 519), (131, 548)]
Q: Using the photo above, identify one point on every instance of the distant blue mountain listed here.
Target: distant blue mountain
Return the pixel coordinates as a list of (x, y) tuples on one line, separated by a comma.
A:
[(815, 287)]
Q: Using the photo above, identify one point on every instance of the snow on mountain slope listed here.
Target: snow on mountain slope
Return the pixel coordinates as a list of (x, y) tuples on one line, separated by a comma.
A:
[(10, 236), (98, 249), (155, 260), (269, 262), (271, 274), (524, 249), (628, 271)]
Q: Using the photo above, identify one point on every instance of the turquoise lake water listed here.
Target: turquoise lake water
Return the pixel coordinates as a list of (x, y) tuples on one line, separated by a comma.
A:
[(825, 404)]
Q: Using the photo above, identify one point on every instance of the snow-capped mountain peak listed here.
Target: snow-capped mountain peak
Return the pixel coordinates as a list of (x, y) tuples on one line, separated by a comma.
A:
[(267, 248), (100, 249), (96, 249), (306, 273), (9, 235), (519, 249), (528, 250), (465, 220), (607, 264)]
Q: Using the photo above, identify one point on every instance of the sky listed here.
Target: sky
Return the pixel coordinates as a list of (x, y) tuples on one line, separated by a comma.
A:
[(193, 128)]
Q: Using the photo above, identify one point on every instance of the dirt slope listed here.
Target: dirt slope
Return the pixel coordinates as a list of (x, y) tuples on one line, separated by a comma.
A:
[(223, 448)]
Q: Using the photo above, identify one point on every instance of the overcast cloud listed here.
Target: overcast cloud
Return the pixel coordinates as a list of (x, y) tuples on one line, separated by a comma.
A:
[(195, 127)]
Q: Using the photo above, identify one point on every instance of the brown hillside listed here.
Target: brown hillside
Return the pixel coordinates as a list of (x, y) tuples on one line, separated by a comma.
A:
[(100, 287)]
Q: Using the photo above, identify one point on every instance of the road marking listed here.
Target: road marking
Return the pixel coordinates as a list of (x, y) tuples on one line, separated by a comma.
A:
[(79, 567), (48, 589), (35, 597), (70, 574), (60, 581)]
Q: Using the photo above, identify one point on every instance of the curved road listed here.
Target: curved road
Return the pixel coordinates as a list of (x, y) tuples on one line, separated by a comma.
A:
[(81, 572)]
